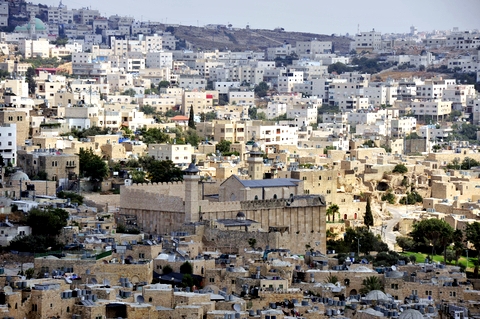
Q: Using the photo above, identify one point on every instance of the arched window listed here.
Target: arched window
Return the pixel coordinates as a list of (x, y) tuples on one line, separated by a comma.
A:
[(355, 216), (256, 197), (345, 216), (68, 309), (274, 196), (150, 299)]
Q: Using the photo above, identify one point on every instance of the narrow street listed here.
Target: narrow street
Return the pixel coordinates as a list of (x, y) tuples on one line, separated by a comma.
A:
[(397, 214)]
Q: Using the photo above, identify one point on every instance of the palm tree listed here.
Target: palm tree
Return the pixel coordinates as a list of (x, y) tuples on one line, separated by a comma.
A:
[(331, 279), (371, 283), (332, 210)]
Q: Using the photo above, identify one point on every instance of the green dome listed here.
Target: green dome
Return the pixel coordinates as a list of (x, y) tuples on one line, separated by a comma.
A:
[(39, 26)]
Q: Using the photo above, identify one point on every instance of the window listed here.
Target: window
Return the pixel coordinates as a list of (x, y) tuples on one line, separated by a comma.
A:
[(211, 279)]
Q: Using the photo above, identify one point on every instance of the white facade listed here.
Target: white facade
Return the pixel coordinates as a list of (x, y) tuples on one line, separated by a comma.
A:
[(159, 59), (275, 109), (178, 154), (8, 143)]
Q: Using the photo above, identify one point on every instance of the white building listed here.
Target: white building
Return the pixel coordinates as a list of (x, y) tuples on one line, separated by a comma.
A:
[(8, 143), (178, 154)]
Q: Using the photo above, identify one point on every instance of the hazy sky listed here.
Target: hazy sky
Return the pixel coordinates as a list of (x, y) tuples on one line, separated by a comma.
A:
[(318, 16)]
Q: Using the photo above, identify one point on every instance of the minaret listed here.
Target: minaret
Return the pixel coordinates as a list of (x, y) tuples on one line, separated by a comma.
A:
[(255, 162), (191, 179), (32, 26)]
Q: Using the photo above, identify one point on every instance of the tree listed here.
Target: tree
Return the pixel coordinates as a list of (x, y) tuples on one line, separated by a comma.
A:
[(434, 232), (30, 79), (164, 172), (261, 89), (371, 283), (167, 269), (368, 217), (331, 279), (331, 211), (191, 137), (154, 136), (405, 242), (48, 222), (413, 259), (187, 281), (472, 234), (252, 242), (400, 168), (186, 268), (223, 146), (163, 84), (191, 118), (129, 92), (92, 165)]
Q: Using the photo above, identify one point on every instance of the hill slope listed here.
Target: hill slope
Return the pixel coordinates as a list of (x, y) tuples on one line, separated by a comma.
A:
[(250, 39)]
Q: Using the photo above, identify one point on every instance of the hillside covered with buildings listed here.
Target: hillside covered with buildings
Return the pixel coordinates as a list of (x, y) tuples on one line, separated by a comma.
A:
[(168, 171)]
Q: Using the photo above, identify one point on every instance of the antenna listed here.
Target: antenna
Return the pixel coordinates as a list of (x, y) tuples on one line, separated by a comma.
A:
[(140, 299), (237, 307), (7, 290)]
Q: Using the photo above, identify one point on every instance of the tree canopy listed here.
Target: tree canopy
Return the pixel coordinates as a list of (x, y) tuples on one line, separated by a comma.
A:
[(164, 172), (261, 89), (92, 165), (433, 232), (400, 168), (223, 146)]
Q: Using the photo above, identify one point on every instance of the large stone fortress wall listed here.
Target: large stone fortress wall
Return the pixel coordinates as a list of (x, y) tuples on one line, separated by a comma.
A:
[(304, 218)]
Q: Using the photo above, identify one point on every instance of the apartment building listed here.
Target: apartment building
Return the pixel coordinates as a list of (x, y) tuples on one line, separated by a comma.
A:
[(8, 143), (313, 46), (287, 79), (241, 98), (367, 41), (305, 113), (202, 102), (158, 60), (275, 109), (4, 14), (34, 48), (21, 120), (60, 167), (434, 110), (228, 130), (273, 134), (178, 154)]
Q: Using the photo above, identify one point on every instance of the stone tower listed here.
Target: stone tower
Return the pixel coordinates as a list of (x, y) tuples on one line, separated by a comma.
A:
[(255, 162), (191, 179)]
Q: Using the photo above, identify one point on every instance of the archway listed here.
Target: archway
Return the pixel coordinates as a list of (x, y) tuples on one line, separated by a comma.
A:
[(353, 292)]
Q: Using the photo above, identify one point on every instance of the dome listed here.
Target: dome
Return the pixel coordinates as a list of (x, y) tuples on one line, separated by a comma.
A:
[(376, 295), (410, 314), (19, 176), (241, 216), (39, 26)]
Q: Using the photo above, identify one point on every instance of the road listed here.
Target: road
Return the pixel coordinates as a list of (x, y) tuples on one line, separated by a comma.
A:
[(397, 214)]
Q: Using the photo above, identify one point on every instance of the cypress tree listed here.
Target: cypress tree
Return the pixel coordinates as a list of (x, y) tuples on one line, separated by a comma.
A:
[(368, 217), (191, 121)]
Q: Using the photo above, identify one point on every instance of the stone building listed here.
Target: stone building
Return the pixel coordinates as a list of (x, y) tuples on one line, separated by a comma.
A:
[(296, 219)]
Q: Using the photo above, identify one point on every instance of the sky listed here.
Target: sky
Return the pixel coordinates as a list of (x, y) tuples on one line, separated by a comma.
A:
[(316, 16)]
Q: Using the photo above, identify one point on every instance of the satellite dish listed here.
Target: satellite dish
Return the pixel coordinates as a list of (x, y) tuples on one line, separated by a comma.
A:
[(8, 290), (394, 268), (94, 281), (106, 282), (68, 280), (237, 307), (140, 299)]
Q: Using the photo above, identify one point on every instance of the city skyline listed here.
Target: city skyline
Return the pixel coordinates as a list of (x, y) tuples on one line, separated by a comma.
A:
[(427, 15)]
